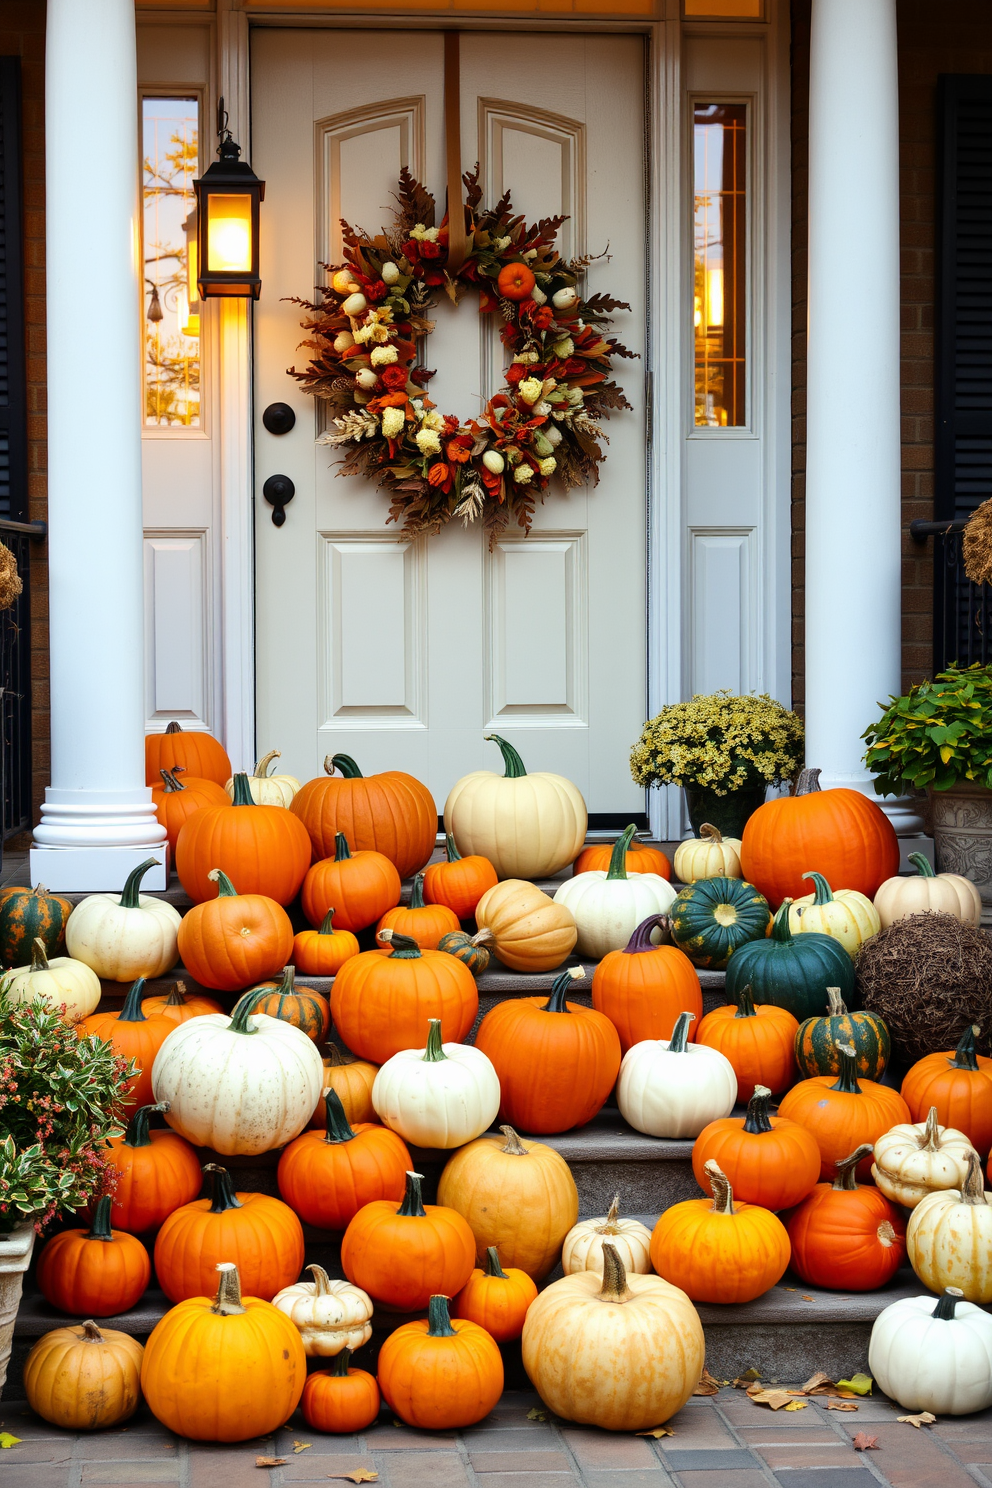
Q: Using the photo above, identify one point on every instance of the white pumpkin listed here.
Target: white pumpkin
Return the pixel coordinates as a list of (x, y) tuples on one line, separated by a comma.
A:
[(710, 855), (56, 981), (266, 789), (949, 1238), (934, 1357), (913, 1161), (330, 1315), (846, 914), (583, 1247), (122, 939), (441, 1096), (528, 826), (946, 893), (243, 1085), (608, 906), (671, 1088)]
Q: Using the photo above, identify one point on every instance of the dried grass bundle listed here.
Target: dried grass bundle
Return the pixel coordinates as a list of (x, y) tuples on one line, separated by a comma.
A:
[(977, 545), (11, 583)]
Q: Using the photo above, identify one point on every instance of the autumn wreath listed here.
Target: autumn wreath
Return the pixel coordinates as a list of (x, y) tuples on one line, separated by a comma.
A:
[(544, 423)]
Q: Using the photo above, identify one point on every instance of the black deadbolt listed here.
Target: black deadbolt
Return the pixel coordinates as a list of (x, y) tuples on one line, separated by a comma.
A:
[(278, 491), (278, 418)]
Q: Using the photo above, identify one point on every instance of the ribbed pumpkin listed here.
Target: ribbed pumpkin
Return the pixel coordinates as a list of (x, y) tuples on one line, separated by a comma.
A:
[(84, 1378), (557, 1061), (178, 1006), (326, 1177), (710, 855), (438, 1374), (359, 886), (527, 929), (643, 988), (424, 923), (841, 833), (234, 940), (157, 1172), (817, 1040), (944, 893), (458, 882), (608, 906), (758, 1042), (713, 918), (265, 847), (496, 1299), (846, 1237), (768, 1160), (720, 1251), (640, 859), (959, 1083), (844, 1113), (132, 1036), (848, 916), (266, 789), (197, 753), (792, 971), (949, 1237), (96, 1272), (324, 951), (176, 800), (340, 1399), (306, 1009), (382, 1004), (391, 813), (62, 983), (401, 1256), (468, 949), (914, 1161), (27, 915), (352, 1080)]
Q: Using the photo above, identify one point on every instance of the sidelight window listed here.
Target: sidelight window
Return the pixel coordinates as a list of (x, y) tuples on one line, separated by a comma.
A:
[(170, 163), (719, 303)]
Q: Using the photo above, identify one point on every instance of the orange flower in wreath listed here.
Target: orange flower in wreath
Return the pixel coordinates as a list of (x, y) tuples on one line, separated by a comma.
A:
[(458, 450), (390, 400), (440, 475)]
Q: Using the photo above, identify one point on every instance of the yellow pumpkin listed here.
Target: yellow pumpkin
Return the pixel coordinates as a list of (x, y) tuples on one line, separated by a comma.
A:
[(528, 826), (710, 855), (946, 893), (526, 928), (84, 1379), (847, 915), (56, 981), (266, 789)]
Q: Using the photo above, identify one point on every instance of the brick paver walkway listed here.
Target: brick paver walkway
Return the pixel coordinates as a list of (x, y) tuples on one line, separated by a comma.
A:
[(721, 1442)]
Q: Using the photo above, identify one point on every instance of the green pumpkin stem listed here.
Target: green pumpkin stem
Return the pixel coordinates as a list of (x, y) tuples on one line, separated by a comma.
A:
[(338, 1127), (242, 795), (434, 1051), (345, 765), (405, 948), (846, 1180), (225, 888), (922, 864), (493, 1267), (781, 929), (614, 1288), (823, 894), (242, 1012), (439, 1319), (756, 1121), (100, 1228), (679, 1040), (618, 858), (227, 1302), (131, 1011), (723, 1194), (847, 1080), (412, 1206), (137, 1134), (222, 1195), (129, 894), (965, 1057), (339, 1364), (556, 1003), (454, 856), (417, 892), (327, 924), (951, 1296), (836, 1006), (745, 1003), (39, 955), (341, 848), (512, 763)]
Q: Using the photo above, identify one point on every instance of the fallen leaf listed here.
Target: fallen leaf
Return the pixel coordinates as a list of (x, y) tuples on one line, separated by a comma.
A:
[(658, 1431), (804, 1298), (846, 1405), (299, 1447), (360, 1475), (6, 1440), (860, 1383), (818, 1384), (864, 1443), (747, 1378), (797, 1405), (925, 1418), (790, 1289), (270, 1461), (774, 1398), (707, 1384), (537, 1413)]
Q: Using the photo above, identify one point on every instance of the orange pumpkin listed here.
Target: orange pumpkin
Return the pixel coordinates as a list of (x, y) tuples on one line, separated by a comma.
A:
[(720, 1251), (197, 753), (959, 1083), (639, 859), (391, 813), (839, 833), (157, 1172), (326, 1177), (401, 1257), (382, 1004), (759, 1042), (306, 1009), (768, 1160), (261, 1235), (340, 1399), (424, 923), (846, 1237), (265, 847), (643, 988), (96, 1272), (438, 1374), (352, 1080), (177, 1006), (515, 281), (323, 952), (557, 1061), (459, 882), (176, 800), (843, 1113), (496, 1299), (132, 1036), (236, 939), (363, 885)]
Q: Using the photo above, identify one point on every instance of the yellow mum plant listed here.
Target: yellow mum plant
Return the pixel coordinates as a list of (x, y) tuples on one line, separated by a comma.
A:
[(721, 742)]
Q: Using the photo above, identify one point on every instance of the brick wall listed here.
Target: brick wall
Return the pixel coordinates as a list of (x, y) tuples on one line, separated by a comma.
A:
[(955, 36)]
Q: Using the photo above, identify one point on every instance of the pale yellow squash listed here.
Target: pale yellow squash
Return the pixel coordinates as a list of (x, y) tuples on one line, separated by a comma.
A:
[(583, 1248), (949, 1238), (912, 1161), (710, 855), (946, 893), (847, 915), (266, 789), (60, 980), (527, 929)]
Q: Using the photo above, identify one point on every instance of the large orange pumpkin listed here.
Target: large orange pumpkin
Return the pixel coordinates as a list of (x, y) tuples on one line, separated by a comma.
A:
[(265, 847), (157, 1172), (96, 1272), (438, 1374), (132, 1036), (640, 859), (720, 1251), (459, 882), (496, 1299), (424, 923), (846, 1237), (557, 1061), (176, 800), (326, 1177), (352, 1080), (768, 1160), (177, 1006), (306, 1009), (403, 1256), (197, 753), (758, 1041), (643, 988), (391, 813), (359, 886), (382, 1004), (324, 951), (843, 1113), (236, 939), (959, 1083), (839, 833)]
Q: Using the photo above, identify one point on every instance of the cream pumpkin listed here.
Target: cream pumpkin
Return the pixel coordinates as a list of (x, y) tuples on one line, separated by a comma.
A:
[(912, 1161), (125, 938), (266, 789), (525, 927), (949, 1238), (528, 826), (330, 1315), (847, 915), (583, 1248), (442, 1096), (608, 906), (56, 981), (934, 1357), (945, 893), (710, 855), (671, 1088)]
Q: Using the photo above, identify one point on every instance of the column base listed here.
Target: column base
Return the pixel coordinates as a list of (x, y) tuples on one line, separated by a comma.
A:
[(81, 818), (81, 870)]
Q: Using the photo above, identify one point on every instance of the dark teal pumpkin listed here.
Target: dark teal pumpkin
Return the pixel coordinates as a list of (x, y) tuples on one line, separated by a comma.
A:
[(712, 919), (793, 972)]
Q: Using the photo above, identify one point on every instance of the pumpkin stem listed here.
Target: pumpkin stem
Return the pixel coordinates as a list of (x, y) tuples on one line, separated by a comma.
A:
[(222, 1195), (341, 848), (846, 1179), (345, 765), (39, 956), (262, 767), (837, 1008), (618, 858), (439, 1319), (493, 1267), (405, 948), (227, 1302), (680, 1033), (137, 1128), (100, 1228), (514, 1146), (808, 782), (513, 764), (559, 987), (177, 996), (973, 1187), (286, 988), (412, 1206), (321, 1281), (614, 1288), (242, 795), (327, 924), (417, 892), (609, 1225), (225, 888), (964, 1055), (847, 1080), (338, 1125), (91, 1332), (641, 939), (922, 863), (173, 728), (435, 1050), (129, 894), (723, 1194), (930, 1139), (745, 1003), (823, 893), (340, 1362), (131, 1011), (242, 1012), (950, 1296), (454, 856), (170, 782), (781, 929), (756, 1121), (484, 937), (336, 1059)]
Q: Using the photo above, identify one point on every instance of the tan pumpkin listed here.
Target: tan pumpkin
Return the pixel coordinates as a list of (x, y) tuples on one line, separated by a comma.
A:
[(84, 1378), (944, 893), (58, 981), (949, 1237), (583, 1248), (913, 1161), (710, 855), (526, 928), (266, 789)]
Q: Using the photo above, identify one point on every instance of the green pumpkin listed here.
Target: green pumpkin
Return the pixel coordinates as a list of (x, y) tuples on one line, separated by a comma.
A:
[(27, 915), (817, 1040), (793, 972), (465, 948), (712, 919)]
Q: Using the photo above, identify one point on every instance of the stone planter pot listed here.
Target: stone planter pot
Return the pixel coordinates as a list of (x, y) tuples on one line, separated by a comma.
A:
[(962, 834), (15, 1258), (727, 813)]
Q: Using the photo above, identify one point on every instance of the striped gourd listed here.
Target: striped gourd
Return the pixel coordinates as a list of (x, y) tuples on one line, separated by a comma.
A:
[(27, 915), (818, 1038), (468, 948)]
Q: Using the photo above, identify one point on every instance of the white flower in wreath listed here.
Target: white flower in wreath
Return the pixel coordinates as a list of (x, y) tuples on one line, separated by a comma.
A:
[(530, 254), (390, 273), (526, 357), (382, 356), (575, 396), (542, 409), (428, 442), (564, 348), (366, 378), (422, 234), (393, 420), (501, 244), (553, 435), (523, 474), (530, 389), (549, 466), (433, 420)]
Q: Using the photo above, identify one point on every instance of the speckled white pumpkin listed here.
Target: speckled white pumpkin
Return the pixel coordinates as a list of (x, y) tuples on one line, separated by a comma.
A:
[(608, 905), (330, 1315), (671, 1088)]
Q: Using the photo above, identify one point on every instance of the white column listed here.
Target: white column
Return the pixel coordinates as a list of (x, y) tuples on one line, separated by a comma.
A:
[(853, 568), (97, 820)]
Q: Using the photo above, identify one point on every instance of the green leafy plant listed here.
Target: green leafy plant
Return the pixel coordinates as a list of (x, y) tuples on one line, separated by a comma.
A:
[(937, 735), (722, 742), (61, 1100)]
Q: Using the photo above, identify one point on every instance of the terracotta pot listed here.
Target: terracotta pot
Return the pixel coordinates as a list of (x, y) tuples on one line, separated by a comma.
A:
[(962, 834), (15, 1258)]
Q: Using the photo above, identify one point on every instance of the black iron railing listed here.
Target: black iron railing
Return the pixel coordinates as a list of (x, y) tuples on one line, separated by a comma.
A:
[(962, 610), (15, 682)]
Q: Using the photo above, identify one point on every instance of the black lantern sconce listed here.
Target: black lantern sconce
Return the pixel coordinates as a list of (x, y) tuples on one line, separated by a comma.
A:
[(227, 211)]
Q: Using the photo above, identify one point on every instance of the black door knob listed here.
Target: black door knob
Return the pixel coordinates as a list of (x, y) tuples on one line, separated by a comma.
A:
[(278, 491), (279, 418)]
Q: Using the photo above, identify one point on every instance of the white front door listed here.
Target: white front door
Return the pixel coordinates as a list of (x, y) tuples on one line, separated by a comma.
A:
[(405, 653)]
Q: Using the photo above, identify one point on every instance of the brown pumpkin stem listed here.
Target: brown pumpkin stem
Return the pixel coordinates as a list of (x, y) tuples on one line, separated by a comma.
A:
[(321, 1281), (745, 1003), (261, 769), (173, 728), (39, 956), (336, 1058), (225, 888), (846, 1180), (131, 1011), (327, 923), (493, 1267), (556, 1003), (609, 1225), (757, 1122), (965, 1057), (405, 948), (808, 782), (434, 1051), (100, 1228), (946, 1304), (339, 1364), (614, 1288), (837, 1008), (439, 1318), (170, 782), (723, 1194), (412, 1206), (514, 1147), (336, 1120), (222, 1195), (929, 1138), (484, 937), (618, 857), (227, 1302), (137, 1134), (973, 1187), (91, 1332), (709, 833), (679, 1041), (177, 996), (847, 1080)]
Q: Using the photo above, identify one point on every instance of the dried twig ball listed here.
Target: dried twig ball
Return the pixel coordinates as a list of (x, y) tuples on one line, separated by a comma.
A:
[(928, 976), (977, 545), (10, 580)]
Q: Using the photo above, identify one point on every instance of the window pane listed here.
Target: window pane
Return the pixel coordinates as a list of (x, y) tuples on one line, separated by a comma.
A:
[(172, 324), (720, 262), (736, 9)]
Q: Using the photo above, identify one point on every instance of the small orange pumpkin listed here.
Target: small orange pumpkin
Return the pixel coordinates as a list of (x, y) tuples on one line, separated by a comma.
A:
[(265, 847), (198, 753), (363, 885), (768, 1160), (643, 988), (843, 1113), (323, 952), (352, 1080), (132, 1036), (177, 1006), (759, 1042), (959, 1084), (459, 882), (234, 940), (438, 1374), (340, 1399), (640, 859), (847, 1237), (382, 1004), (424, 923), (515, 281), (96, 1272), (176, 800), (401, 1256), (327, 1177), (301, 1006), (157, 1172), (496, 1299)]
